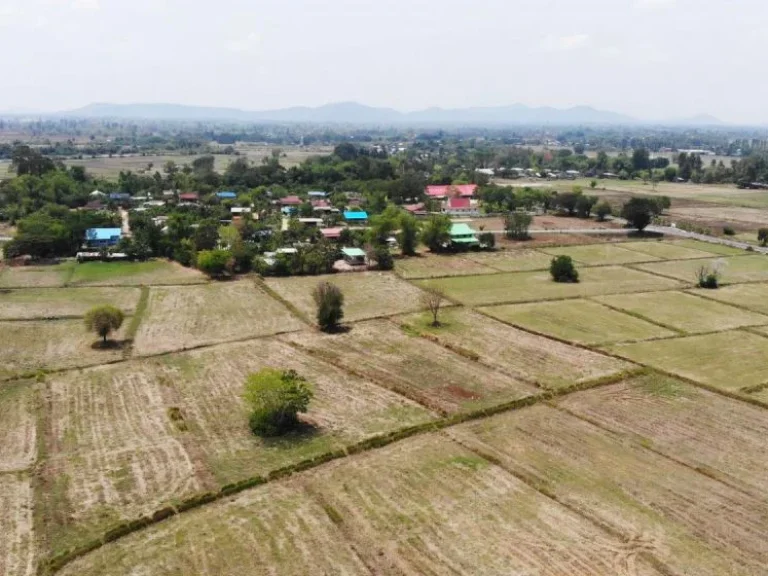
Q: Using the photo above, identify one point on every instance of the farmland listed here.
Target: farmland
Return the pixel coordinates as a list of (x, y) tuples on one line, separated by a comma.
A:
[(615, 426)]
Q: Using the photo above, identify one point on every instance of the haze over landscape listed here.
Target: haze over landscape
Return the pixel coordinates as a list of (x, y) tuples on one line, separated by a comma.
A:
[(651, 60)]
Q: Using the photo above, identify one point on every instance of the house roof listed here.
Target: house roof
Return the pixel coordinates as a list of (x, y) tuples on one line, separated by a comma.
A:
[(457, 203), (461, 229), (188, 196), (102, 233), (241, 210), (321, 204), (353, 252), (318, 193), (331, 232), (291, 201), (226, 195), (465, 190), (359, 215), (414, 207)]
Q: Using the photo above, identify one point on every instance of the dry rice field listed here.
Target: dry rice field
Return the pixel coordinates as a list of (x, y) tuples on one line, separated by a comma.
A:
[(17, 545), (30, 303), (752, 268), (18, 434), (34, 276), (183, 317)]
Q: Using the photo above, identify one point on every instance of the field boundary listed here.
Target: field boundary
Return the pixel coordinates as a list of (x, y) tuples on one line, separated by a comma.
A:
[(260, 284), (641, 317)]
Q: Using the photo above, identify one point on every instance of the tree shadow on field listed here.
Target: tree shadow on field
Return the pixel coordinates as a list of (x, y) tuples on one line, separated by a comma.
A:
[(100, 345), (342, 329), (645, 234), (305, 430)]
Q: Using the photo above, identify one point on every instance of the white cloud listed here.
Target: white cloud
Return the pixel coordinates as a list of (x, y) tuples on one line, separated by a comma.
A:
[(564, 43), (86, 5), (655, 3), (250, 43)]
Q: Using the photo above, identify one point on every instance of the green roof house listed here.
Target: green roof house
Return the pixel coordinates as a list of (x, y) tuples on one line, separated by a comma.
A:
[(462, 235), (354, 256)]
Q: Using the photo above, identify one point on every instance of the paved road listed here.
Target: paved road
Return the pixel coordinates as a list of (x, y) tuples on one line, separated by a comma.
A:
[(669, 231)]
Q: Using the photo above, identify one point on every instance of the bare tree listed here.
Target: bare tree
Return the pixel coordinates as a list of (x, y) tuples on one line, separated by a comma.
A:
[(432, 299)]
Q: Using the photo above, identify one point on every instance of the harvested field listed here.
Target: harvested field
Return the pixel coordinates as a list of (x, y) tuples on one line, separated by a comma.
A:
[(18, 432), (182, 317), (761, 395), (516, 260), (751, 296), (535, 286), (581, 321), (666, 250), (690, 522), (434, 266), (600, 254), (429, 506), (526, 356), (275, 529), (151, 273), (745, 217), (35, 276), (722, 437), (752, 268), (27, 346), (366, 294), (414, 367), (719, 249), (685, 312), (17, 545), (727, 360), (30, 303)]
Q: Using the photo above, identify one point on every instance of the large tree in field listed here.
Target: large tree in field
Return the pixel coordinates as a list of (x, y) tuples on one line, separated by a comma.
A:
[(275, 399), (103, 320), (639, 212), (330, 306)]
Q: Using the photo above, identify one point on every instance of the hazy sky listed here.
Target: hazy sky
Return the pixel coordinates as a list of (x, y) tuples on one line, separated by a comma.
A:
[(650, 58)]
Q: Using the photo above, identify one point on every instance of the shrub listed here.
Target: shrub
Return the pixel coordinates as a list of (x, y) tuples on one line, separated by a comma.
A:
[(602, 210), (707, 277), (330, 302), (762, 236), (383, 257), (728, 231), (276, 398), (584, 205), (563, 270), (516, 225), (487, 240), (103, 320), (215, 263)]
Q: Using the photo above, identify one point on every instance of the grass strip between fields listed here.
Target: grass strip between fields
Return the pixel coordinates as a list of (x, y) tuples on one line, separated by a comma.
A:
[(55, 563), (288, 305)]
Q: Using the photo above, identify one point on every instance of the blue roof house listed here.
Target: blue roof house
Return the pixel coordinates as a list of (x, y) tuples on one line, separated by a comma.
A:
[(100, 237), (358, 217), (226, 195), (118, 196)]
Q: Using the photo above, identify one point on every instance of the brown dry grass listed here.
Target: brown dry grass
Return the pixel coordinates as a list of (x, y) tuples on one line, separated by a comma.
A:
[(415, 367), (34, 276), (17, 536), (366, 294), (434, 266), (18, 427), (521, 354), (64, 302), (692, 523), (184, 317), (28, 346), (723, 437)]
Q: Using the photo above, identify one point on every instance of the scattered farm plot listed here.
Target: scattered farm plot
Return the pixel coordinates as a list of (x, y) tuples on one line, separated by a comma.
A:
[(750, 268), (18, 432), (207, 386), (535, 286), (181, 317), (64, 302), (666, 250), (275, 529), (523, 355), (27, 346), (112, 453), (752, 296), (600, 254), (727, 360), (519, 260), (692, 523), (414, 367), (685, 312), (151, 273), (707, 431), (35, 276), (429, 506), (720, 249), (581, 321), (436, 266), (17, 545), (366, 294)]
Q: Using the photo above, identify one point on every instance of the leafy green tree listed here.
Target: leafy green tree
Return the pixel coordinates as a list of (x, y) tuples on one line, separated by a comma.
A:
[(103, 320), (206, 234), (639, 212), (383, 258), (670, 173), (641, 159), (584, 205), (563, 270), (184, 252), (275, 399), (330, 306), (567, 201), (516, 225), (762, 236), (215, 263), (602, 210), (593, 184), (436, 233), (487, 240), (408, 238)]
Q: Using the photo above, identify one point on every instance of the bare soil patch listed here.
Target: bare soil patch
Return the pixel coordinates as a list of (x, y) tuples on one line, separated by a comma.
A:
[(187, 316)]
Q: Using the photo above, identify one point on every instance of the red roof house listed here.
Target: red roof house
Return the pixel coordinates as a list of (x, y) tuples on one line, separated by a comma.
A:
[(291, 201), (189, 197), (413, 208), (332, 233), (461, 190), (459, 203)]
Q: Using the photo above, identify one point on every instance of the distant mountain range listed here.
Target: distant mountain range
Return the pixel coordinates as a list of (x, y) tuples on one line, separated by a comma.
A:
[(354, 113)]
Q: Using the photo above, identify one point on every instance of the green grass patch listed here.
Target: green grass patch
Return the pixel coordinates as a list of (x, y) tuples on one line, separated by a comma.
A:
[(750, 268), (581, 321), (752, 296), (685, 312), (666, 250), (727, 360), (710, 247), (535, 286), (153, 272), (600, 254)]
